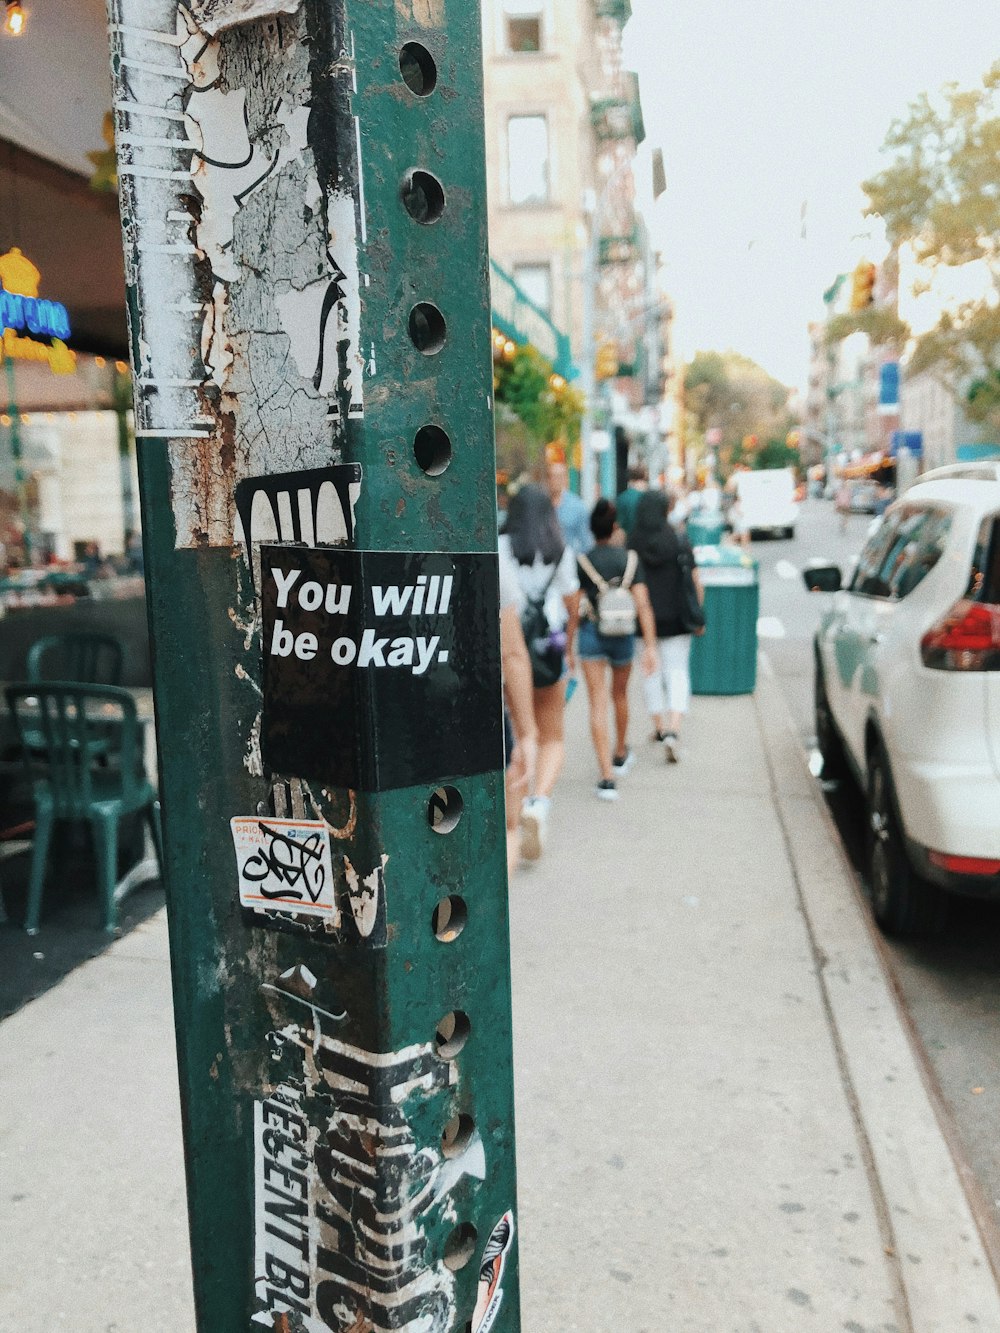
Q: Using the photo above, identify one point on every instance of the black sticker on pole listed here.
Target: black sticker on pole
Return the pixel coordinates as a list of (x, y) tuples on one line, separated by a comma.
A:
[(381, 669)]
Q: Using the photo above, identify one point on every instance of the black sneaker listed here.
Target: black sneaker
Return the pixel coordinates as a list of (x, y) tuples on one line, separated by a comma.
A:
[(606, 790), (622, 763)]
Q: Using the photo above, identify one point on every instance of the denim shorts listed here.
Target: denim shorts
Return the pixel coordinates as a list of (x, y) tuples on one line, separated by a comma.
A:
[(618, 649)]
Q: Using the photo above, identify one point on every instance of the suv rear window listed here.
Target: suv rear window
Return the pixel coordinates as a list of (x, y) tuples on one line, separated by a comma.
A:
[(901, 552), (984, 585)]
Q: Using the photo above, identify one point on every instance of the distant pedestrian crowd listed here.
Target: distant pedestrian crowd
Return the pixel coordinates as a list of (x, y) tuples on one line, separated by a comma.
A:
[(579, 590)]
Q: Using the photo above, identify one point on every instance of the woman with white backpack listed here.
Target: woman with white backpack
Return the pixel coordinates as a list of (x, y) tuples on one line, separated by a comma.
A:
[(615, 603), (542, 564)]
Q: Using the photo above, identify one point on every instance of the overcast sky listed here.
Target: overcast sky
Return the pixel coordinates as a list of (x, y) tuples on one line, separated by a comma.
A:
[(761, 106)]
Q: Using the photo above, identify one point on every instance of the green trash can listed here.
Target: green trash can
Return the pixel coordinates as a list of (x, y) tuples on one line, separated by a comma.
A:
[(705, 529), (724, 658)]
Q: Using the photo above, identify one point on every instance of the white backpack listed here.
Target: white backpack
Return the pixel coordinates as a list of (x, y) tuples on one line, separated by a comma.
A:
[(614, 614)]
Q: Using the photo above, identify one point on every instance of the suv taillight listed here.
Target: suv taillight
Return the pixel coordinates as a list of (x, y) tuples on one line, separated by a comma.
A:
[(966, 639)]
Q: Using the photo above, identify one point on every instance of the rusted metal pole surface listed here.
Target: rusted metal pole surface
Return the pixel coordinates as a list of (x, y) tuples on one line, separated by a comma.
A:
[(303, 204)]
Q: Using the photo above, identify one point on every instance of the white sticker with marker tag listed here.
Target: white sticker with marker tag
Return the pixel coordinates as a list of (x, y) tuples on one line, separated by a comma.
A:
[(284, 865)]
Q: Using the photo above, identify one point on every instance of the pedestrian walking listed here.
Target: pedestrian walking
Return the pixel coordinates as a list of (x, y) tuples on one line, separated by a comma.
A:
[(614, 603), (520, 728), (544, 565), (574, 520), (626, 502), (739, 525), (842, 503), (676, 597)]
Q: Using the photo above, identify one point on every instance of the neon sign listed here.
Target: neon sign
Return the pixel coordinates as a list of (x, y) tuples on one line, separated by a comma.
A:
[(25, 318)]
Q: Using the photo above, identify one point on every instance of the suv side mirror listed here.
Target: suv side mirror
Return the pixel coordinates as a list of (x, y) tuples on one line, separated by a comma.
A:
[(822, 578)]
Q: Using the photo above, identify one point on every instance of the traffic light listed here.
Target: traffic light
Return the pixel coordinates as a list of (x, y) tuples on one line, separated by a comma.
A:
[(606, 361), (863, 285)]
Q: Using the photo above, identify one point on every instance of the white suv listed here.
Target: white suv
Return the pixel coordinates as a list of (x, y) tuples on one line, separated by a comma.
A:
[(908, 694)]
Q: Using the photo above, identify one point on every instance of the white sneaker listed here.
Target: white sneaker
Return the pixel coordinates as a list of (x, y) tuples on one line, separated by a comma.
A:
[(534, 816), (671, 747)]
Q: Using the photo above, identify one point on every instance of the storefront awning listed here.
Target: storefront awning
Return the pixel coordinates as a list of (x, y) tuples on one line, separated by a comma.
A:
[(867, 467)]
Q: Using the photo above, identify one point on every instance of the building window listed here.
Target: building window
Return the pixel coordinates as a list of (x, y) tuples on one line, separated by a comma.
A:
[(523, 25), (535, 280), (524, 34), (528, 159)]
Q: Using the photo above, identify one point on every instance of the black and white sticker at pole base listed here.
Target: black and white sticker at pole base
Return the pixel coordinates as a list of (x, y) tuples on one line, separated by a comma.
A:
[(489, 1293)]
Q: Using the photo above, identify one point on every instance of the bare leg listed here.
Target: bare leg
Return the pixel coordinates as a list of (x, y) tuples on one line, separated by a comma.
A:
[(596, 676), (514, 786), (619, 694), (549, 707)]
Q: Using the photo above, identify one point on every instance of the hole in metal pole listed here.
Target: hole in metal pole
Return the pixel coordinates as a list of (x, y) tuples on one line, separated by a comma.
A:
[(457, 1135), (450, 918), (452, 1033), (460, 1246), (416, 64), (427, 328), (444, 809), (432, 449), (423, 197)]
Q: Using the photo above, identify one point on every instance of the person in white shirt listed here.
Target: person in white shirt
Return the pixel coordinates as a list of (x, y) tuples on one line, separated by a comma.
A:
[(544, 564)]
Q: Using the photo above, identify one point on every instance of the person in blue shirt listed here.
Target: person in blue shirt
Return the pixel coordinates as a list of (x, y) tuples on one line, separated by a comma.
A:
[(572, 513)]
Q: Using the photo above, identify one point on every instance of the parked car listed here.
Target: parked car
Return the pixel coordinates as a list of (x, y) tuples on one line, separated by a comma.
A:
[(907, 694), (864, 497)]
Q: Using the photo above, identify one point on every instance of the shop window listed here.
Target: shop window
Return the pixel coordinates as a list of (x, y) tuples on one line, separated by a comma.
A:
[(528, 160), (535, 280)]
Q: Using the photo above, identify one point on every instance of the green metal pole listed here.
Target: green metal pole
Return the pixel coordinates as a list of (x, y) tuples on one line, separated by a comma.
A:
[(303, 201), (17, 457)]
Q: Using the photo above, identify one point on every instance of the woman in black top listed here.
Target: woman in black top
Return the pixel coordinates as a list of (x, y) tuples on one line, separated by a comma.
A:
[(664, 554)]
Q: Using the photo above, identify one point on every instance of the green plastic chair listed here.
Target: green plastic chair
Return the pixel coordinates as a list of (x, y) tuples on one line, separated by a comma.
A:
[(90, 658), (72, 780)]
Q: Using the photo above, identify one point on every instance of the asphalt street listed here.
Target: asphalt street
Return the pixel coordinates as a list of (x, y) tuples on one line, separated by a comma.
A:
[(949, 986)]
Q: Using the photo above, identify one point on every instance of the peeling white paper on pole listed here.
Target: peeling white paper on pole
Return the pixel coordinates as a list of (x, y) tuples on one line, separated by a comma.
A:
[(214, 16)]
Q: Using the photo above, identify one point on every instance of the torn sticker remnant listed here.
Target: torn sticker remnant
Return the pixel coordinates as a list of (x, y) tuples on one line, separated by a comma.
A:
[(284, 865), (214, 16)]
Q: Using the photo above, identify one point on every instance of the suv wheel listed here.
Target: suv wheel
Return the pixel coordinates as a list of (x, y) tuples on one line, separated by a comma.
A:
[(828, 742), (903, 903)]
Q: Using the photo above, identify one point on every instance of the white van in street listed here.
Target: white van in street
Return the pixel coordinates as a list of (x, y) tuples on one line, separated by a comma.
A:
[(767, 500)]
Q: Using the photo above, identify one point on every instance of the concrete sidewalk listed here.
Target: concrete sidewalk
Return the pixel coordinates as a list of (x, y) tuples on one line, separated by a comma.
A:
[(722, 1126)]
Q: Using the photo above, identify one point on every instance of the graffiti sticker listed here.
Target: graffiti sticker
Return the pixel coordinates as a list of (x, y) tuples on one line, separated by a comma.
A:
[(284, 865), (490, 1292)]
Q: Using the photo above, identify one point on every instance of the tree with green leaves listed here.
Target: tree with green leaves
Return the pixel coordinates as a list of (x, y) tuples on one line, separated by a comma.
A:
[(729, 393), (941, 194), (535, 407)]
